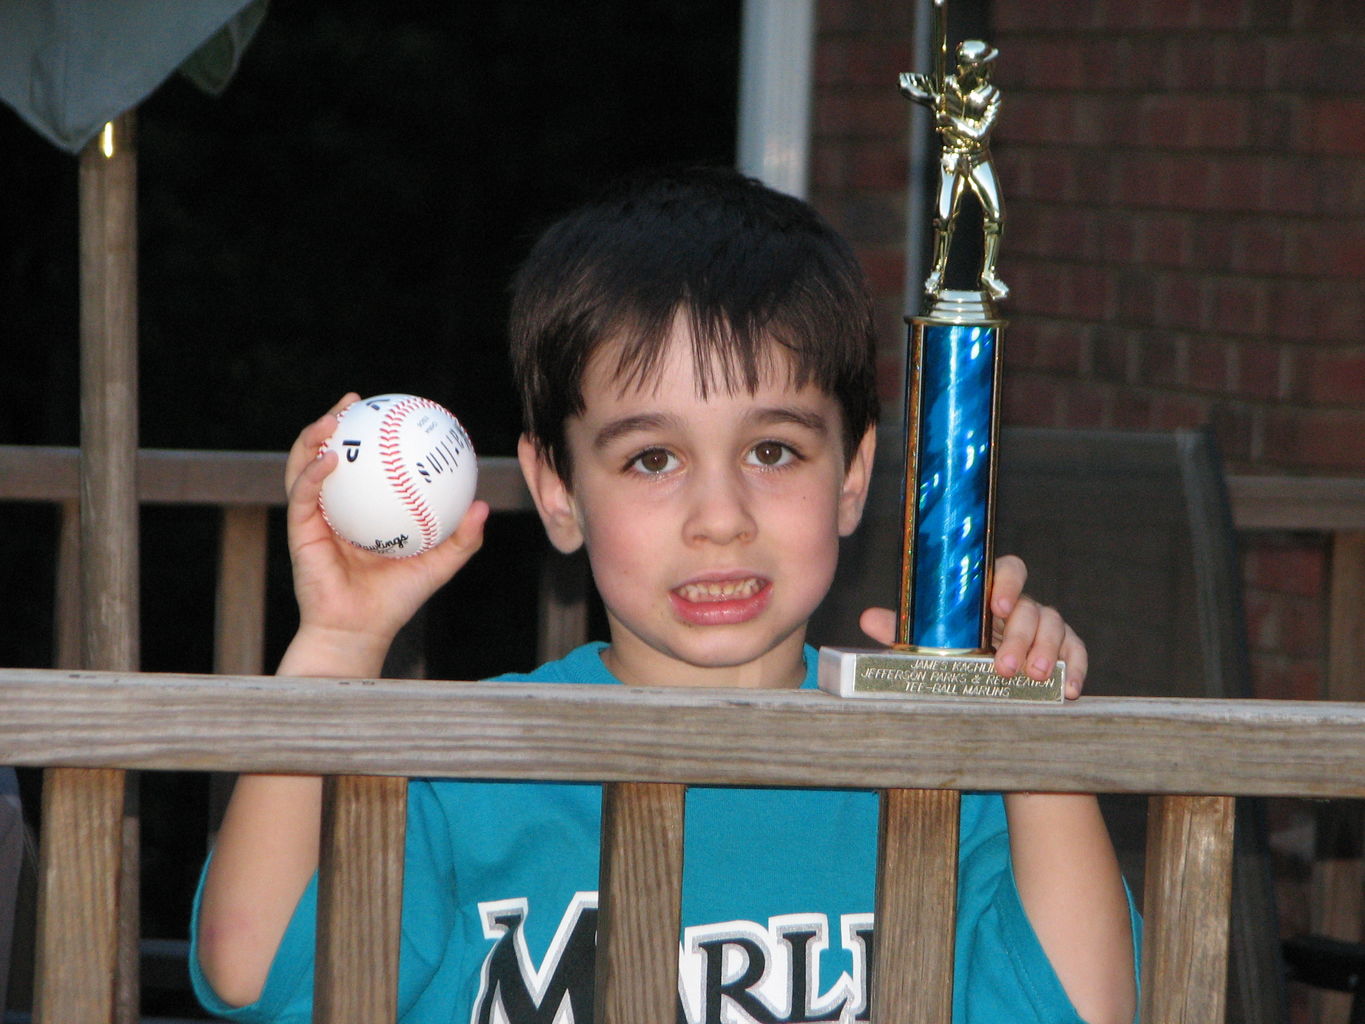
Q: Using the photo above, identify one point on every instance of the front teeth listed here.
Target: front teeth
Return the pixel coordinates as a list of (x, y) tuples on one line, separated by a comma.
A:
[(728, 590)]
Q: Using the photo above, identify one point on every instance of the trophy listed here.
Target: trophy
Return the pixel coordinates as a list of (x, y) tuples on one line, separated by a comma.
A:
[(942, 648)]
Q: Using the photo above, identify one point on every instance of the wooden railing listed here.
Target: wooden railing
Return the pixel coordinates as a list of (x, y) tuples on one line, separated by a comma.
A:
[(647, 746), (1195, 755), (246, 484)]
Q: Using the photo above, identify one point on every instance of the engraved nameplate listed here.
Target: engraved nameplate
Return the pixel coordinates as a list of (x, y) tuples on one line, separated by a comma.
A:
[(849, 672)]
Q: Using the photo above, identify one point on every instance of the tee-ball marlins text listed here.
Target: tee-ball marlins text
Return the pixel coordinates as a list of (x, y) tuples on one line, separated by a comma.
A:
[(405, 477)]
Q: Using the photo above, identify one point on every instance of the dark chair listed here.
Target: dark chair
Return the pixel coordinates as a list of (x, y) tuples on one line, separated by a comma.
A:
[(1131, 536), (11, 860)]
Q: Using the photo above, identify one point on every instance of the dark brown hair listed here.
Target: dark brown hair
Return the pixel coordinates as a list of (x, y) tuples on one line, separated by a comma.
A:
[(753, 269)]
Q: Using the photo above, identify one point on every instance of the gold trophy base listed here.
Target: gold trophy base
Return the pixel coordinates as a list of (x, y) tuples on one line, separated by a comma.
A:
[(927, 674)]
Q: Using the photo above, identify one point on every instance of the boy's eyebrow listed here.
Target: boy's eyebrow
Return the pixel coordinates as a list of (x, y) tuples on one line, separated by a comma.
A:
[(761, 416), (629, 425), (807, 418)]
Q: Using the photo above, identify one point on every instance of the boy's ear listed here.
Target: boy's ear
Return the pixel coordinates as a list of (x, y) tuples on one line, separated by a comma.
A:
[(857, 479), (553, 501)]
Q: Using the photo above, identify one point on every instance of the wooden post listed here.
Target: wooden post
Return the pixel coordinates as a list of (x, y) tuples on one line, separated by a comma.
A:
[(640, 903), (360, 899), (1338, 871), (109, 609), (1186, 902), (912, 963), (108, 474), (79, 881)]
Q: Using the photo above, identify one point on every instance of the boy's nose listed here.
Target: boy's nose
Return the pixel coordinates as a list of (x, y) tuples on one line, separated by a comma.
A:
[(719, 511)]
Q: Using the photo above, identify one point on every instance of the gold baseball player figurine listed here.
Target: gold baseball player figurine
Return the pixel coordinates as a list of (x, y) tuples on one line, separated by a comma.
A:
[(966, 106)]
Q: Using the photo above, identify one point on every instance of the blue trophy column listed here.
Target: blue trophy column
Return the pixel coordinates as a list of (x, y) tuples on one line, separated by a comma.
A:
[(950, 533)]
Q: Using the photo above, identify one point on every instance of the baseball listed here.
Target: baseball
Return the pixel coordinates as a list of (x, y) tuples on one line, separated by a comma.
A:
[(405, 477)]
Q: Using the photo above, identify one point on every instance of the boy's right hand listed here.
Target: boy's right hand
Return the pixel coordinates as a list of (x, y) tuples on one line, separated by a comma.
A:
[(350, 598)]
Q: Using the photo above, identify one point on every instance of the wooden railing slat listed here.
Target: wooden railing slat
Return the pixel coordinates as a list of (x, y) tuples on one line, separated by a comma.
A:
[(1346, 628), (239, 619), (916, 914), (80, 871), (1185, 905), (67, 588), (239, 616), (640, 903), (563, 606), (360, 899)]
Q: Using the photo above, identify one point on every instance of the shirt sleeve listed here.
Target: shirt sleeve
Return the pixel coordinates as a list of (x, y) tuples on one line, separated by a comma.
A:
[(1001, 971), (288, 994)]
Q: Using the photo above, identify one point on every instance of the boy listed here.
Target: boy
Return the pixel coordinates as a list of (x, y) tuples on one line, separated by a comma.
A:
[(694, 355)]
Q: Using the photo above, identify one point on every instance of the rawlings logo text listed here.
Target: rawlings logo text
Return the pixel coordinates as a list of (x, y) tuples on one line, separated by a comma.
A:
[(387, 545)]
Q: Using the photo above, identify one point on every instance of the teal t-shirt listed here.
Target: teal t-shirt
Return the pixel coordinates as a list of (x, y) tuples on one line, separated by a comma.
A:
[(500, 906)]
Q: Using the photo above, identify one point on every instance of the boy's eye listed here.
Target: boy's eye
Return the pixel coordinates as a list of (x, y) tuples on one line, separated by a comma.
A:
[(770, 454), (654, 461)]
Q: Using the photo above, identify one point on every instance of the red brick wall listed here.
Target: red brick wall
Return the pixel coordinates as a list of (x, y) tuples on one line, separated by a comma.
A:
[(859, 151), (1186, 230)]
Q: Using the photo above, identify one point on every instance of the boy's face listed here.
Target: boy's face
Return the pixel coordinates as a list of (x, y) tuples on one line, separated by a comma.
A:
[(712, 525)]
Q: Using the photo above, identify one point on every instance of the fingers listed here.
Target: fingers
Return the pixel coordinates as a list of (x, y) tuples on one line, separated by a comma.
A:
[(461, 545), (307, 484), (1008, 584), (1029, 640), (879, 624), (470, 531), (305, 470), (311, 438), (1077, 660), (1033, 639), (349, 398), (432, 569)]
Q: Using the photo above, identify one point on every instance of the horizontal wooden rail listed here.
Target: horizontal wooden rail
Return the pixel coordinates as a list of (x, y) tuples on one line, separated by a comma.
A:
[(182, 476), (615, 734), (1322, 504), (168, 476)]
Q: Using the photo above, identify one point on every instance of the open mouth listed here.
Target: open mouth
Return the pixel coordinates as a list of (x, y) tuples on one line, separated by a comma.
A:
[(720, 590), (721, 602)]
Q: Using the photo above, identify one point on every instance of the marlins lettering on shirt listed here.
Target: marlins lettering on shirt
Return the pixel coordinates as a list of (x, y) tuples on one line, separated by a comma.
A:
[(734, 972)]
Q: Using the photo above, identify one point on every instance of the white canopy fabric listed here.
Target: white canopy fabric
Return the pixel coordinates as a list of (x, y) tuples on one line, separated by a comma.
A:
[(69, 66)]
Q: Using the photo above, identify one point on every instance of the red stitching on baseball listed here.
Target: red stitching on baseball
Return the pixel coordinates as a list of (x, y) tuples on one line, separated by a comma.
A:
[(390, 451)]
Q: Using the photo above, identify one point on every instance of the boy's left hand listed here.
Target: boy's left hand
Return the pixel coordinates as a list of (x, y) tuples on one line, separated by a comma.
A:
[(1026, 634)]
